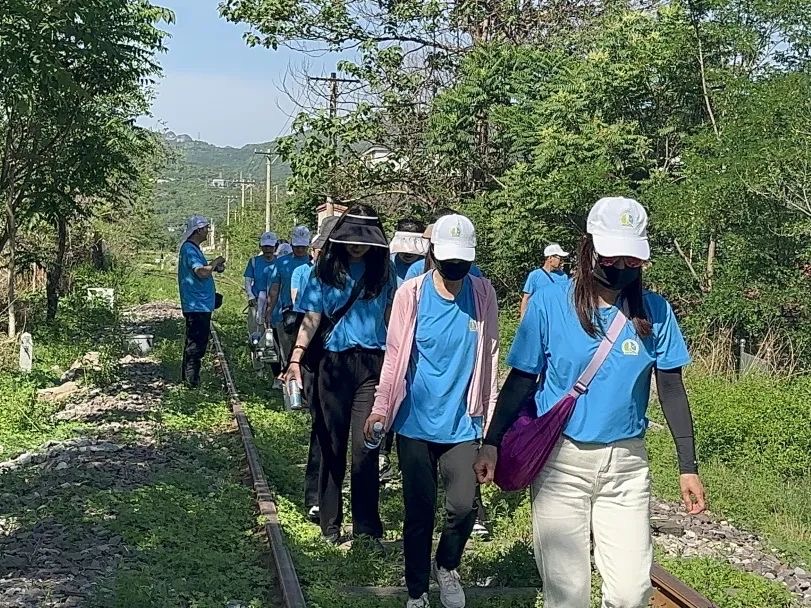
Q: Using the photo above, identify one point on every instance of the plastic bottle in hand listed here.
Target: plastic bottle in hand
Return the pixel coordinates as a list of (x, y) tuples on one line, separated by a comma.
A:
[(377, 437)]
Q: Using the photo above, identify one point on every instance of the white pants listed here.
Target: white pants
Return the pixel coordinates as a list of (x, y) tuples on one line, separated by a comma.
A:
[(598, 490)]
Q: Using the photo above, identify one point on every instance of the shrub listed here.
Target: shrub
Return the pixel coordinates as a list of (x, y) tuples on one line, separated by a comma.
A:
[(754, 420)]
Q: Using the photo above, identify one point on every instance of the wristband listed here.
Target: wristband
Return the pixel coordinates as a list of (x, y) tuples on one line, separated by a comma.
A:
[(300, 347), (294, 363)]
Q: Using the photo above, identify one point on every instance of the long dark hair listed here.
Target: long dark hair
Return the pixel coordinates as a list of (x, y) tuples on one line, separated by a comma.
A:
[(332, 267), (586, 295)]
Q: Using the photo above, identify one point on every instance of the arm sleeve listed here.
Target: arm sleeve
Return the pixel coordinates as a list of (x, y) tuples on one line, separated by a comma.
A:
[(518, 387), (249, 288), (676, 408), (528, 284)]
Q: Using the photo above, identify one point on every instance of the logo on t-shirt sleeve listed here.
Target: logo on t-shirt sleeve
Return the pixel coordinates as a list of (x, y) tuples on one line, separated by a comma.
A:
[(472, 325)]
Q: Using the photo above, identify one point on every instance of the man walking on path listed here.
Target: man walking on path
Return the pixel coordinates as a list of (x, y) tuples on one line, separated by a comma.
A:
[(255, 278), (551, 272), (195, 278)]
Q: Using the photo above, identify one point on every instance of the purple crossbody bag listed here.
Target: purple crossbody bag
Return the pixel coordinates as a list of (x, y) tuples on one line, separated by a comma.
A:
[(526, 446)]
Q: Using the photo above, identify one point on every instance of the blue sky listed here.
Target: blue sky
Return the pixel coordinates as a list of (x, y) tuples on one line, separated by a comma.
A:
[(217, 88)]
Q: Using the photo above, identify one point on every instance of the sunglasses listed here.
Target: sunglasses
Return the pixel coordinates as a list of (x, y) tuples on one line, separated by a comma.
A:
[(629, 261)]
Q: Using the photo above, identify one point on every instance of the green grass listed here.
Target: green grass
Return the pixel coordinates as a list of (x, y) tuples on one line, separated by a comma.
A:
[(189, 533)]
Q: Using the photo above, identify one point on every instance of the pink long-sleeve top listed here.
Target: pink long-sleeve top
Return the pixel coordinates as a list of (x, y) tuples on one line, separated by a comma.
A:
[(483, 389)]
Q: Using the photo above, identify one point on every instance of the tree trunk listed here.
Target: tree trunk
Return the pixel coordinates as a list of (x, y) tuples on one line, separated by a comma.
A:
[(11, 228), (56, 270), (98, 253)]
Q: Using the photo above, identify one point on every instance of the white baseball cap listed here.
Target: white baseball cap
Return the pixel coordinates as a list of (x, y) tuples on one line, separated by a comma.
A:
[(268, 239), (554, 249), (619, 226), (193, 224), (300, 237), (454, 238), (283, 250)]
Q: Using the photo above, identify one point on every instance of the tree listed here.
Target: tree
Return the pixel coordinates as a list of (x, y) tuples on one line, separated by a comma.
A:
[(56, 59)]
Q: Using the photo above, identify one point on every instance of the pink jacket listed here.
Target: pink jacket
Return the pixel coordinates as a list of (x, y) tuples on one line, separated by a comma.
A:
[(483, 388)]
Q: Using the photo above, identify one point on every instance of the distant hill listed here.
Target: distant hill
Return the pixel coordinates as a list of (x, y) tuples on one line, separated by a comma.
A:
[(200, 176)]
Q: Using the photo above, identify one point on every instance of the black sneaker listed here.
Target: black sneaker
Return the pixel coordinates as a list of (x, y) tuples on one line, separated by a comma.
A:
[(314, 515)]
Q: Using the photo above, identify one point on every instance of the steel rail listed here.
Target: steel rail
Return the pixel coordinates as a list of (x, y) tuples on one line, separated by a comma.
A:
[(289, 584)]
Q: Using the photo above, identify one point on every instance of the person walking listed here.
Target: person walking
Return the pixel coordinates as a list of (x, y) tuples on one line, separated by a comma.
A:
[(279, 284), (551, 272), (438, 385), (195, 278), (255, 280), (348, 298), (301, 276), (596, 481)]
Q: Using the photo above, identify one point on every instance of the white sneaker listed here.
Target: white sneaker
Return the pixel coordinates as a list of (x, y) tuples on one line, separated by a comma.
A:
[(420, 603), (480, 531), (451, 593)]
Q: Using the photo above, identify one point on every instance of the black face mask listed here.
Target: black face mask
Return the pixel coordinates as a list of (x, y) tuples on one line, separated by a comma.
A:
[(453, 271), (614, 278)]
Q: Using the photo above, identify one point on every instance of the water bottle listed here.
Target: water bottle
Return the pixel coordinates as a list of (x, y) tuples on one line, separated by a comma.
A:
[(286, 397), (377, 437), (295, 395)]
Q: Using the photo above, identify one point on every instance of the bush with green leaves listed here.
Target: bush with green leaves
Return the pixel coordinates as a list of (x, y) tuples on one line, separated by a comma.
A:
[(754, 420)]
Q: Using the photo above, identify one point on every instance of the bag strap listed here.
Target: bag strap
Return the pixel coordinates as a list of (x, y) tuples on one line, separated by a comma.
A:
[(614, 330), (548, 276), (339, 314)]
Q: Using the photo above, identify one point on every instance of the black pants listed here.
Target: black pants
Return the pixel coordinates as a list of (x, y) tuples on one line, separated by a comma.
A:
[(387, 444), (346, 390), (312, 473), (419, 461), (198, 331)]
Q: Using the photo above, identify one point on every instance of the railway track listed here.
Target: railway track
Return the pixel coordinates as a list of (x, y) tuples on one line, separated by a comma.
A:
[(669, 592)]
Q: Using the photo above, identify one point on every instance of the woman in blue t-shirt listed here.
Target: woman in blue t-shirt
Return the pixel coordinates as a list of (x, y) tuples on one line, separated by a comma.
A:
[(349, 370), (596, 482)]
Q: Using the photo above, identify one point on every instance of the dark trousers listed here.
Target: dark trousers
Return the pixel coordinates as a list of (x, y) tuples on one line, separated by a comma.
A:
[(346, 390), (388, 443), (198, 331), (419, 461), (312, 473)]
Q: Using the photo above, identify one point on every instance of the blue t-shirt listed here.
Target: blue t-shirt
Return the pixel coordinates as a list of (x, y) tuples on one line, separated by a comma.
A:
[(418, 268), (439, 372), (364, 325), (551, 338), (539, 278), (299, 282), (401, 268), (255, 270), (282, 274), (196, 294)]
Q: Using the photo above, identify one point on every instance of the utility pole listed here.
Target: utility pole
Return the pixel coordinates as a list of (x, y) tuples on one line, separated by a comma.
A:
[(269, 160), (333, 81), (243, 184)]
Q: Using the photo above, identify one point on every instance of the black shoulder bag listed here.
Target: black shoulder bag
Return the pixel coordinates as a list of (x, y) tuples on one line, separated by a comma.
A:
[(315, 350)]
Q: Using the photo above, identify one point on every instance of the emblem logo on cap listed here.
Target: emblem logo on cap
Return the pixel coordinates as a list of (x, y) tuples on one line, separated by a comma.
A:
[(626, 219), (456, 231)]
